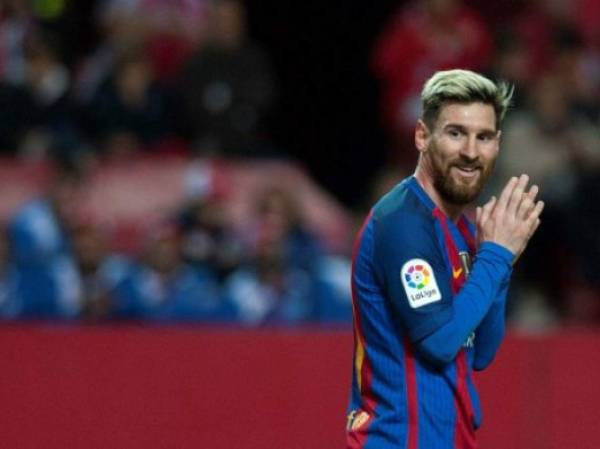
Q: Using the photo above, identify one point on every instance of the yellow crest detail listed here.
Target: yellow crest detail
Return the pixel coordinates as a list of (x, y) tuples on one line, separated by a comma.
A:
[(360, 420)]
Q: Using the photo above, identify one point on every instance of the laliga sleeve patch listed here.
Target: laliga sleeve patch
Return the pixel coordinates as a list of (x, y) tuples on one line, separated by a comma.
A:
[(419, 283)]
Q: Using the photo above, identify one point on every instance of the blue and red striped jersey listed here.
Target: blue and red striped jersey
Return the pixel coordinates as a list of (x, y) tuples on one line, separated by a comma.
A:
[(424, 318)]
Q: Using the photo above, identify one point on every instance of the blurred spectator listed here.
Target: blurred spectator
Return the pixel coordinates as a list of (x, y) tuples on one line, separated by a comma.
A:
[(100, 271), (227, 87), (15, 23), (278, 283), (270, 290), (332, 290), (16, 118), (121, 28), (170, 29), (418, 40), (47, 82), (35, 115), (540, 25), (129, 111), (9, 304), (207, 238), (163, 288), (559, 38), (512, 63), (555, 147), (279, 218), (549, 142), (48, 281), (176, 29)]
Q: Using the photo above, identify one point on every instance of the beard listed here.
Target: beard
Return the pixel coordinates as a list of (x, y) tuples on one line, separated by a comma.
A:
[(458, 191)]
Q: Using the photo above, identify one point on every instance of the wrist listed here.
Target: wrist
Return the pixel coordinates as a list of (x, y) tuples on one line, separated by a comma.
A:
[(498, 251)]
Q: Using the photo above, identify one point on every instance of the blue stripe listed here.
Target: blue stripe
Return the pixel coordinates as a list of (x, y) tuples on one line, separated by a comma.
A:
[(437, 410)]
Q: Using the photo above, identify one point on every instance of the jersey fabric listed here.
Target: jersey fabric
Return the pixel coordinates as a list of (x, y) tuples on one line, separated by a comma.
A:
[(424, 319)]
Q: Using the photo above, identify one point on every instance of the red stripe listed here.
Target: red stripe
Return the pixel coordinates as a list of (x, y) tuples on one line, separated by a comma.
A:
[(464, 434), (452, 251), (411, 396), (357, 439)]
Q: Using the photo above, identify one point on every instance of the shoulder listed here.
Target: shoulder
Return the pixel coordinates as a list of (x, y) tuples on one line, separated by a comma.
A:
[(401, 214), (34, 218), (32, 210)]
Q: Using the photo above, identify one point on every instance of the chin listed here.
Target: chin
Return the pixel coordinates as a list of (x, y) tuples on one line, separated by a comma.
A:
[(462, 194)]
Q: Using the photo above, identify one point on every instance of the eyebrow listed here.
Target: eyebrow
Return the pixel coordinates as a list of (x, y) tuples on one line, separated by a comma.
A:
[(464, 129)]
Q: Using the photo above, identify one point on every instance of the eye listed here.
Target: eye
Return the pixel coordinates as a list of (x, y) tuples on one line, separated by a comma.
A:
[(454, 132)]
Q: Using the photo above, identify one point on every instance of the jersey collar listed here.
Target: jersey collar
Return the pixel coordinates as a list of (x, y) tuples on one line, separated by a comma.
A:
[(420, 192)]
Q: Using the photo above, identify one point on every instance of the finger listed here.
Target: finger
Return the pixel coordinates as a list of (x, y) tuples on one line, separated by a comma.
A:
[(528, 202), (535, 214), (533, 191), (478, 215), (487, 209), (506, 193), (535, 226), (525, 207), (517, 195)]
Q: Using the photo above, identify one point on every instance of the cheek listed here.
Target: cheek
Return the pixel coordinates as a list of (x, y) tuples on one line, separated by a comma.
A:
[(489, 155), (445, 156), (447, 149)]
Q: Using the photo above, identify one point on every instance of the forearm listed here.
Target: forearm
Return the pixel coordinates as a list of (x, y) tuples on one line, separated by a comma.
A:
[(490, 332), (491, 270)]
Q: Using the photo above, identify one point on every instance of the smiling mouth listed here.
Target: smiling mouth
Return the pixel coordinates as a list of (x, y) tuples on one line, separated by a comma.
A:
[(466, 171)]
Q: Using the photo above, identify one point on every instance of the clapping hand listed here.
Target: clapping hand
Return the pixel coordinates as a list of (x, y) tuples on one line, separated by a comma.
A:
[(511, 220)]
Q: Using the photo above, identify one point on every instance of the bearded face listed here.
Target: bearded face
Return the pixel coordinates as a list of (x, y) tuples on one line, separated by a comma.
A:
[(461, 151), (459, 180)]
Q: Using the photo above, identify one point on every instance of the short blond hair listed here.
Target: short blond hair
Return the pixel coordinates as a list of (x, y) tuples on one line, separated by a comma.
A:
[(463, 86)]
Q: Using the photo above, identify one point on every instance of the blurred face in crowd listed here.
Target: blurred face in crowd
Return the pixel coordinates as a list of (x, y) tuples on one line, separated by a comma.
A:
[(162, 251), (90, 248), (459, 152), (229, 23), (277, 213), (270, 262), (121, 145), (441, 9), (550, 102), (66, 196), (210, 214), (133, 80)]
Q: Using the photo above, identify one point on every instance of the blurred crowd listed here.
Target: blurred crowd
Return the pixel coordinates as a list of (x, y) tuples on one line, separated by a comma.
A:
[(183, 76), (58, 261), (166, 77)]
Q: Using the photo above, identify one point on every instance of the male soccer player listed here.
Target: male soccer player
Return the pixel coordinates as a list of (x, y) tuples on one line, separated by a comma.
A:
[(429, 288)]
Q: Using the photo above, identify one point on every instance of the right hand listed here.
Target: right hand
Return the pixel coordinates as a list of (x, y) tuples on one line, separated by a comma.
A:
[(513, 219)]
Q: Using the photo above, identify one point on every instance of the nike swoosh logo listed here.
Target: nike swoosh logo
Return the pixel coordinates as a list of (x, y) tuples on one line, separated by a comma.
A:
[(456, 273)]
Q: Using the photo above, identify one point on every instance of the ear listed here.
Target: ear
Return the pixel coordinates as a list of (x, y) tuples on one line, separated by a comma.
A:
[(422, 136)]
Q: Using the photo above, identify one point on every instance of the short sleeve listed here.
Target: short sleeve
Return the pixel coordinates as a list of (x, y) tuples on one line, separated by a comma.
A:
[(410, 265)]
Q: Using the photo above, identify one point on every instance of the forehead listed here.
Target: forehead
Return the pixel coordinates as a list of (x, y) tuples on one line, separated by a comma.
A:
[(476, 116)]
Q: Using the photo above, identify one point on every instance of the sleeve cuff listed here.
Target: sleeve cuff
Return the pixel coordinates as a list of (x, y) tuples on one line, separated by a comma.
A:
[(497, 250)]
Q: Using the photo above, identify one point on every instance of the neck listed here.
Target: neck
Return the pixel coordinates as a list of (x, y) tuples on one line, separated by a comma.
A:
[(452, 211)]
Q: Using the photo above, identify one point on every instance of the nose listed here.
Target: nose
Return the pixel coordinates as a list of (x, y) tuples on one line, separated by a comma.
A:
[(469, 149)]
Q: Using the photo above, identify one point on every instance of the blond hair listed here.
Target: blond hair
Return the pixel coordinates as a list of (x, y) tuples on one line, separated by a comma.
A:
[(463, 86)]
